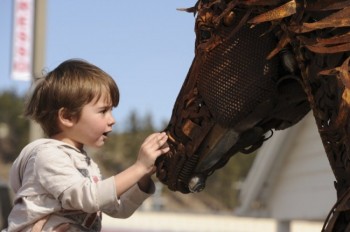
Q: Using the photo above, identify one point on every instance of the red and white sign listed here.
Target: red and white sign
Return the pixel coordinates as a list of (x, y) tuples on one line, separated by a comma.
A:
[(22, 50)]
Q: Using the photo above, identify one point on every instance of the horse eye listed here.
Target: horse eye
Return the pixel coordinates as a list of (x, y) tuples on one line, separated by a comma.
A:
[(205, 1), (205, 34)]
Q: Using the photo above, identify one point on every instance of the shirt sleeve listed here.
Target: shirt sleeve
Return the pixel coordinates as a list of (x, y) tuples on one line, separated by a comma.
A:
[(128, 203), (58, 176), (55, 171)]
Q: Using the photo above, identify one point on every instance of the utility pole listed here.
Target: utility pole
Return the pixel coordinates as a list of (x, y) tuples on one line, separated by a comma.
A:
[(38, 55)]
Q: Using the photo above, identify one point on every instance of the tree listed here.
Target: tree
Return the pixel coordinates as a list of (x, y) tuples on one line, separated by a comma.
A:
[(14, 128)]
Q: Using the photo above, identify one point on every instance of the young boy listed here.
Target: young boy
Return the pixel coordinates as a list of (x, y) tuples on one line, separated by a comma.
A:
[(54, 180)]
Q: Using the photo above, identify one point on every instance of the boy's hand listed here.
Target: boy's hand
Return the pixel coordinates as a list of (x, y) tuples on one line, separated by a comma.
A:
[(62, 228), (153, 146), (38, 226), (140, 172)]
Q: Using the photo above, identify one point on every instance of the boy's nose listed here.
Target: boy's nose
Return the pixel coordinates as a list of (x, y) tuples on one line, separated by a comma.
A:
[(111, 120)]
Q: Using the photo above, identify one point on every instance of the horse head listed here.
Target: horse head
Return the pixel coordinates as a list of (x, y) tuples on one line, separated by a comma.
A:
[(235, 94)]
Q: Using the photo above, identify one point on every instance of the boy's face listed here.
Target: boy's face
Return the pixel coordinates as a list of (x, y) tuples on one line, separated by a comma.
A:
[(95, 122)]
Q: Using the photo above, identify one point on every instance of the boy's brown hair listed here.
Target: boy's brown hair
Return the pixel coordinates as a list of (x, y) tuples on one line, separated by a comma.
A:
[(72, 85)]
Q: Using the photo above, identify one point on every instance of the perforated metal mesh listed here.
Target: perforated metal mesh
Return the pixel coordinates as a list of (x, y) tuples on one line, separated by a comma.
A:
[(227, 82)]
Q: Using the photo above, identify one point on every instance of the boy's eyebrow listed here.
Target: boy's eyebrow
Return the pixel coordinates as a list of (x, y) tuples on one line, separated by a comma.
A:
[(105, 106)]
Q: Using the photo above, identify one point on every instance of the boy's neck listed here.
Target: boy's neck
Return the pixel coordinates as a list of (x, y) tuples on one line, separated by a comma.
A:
[(61, 137)]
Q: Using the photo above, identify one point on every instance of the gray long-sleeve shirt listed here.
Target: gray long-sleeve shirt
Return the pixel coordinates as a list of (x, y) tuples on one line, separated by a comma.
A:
[(53, 178)]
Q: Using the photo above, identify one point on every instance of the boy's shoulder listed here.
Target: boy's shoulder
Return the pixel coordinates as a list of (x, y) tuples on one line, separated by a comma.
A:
[(46, 149), (41, 141), (39, 146), (27, 156), (44, 142)]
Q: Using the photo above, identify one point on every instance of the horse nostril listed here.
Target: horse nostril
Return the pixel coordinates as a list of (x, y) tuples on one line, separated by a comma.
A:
[(196, 184)]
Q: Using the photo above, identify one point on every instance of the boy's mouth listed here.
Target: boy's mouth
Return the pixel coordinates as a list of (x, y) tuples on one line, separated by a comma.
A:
[(106, 133)]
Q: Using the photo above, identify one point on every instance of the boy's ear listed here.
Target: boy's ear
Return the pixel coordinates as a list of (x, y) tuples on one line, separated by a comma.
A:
[(65, 118)]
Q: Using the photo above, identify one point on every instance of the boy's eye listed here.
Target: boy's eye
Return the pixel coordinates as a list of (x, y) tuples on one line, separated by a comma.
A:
[(105, 110)]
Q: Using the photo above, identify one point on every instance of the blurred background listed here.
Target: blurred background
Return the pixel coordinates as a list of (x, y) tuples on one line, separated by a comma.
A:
[(147, 46)]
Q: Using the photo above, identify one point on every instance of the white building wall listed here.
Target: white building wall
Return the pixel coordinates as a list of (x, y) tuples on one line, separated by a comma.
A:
[(304, 187)]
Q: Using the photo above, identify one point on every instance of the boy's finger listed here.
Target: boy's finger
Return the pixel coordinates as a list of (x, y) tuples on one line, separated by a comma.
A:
[(62, 228)]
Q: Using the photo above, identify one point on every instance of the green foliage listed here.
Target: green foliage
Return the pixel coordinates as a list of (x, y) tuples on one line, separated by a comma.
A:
[(14, 128)]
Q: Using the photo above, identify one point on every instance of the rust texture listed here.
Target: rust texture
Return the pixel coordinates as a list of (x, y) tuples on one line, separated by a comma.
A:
[(259, 66)]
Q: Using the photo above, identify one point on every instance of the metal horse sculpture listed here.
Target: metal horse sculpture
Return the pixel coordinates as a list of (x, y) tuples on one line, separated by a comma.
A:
[(259, 66)]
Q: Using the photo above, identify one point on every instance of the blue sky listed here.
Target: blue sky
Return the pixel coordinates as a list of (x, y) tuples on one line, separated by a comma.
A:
[(147, 46)]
